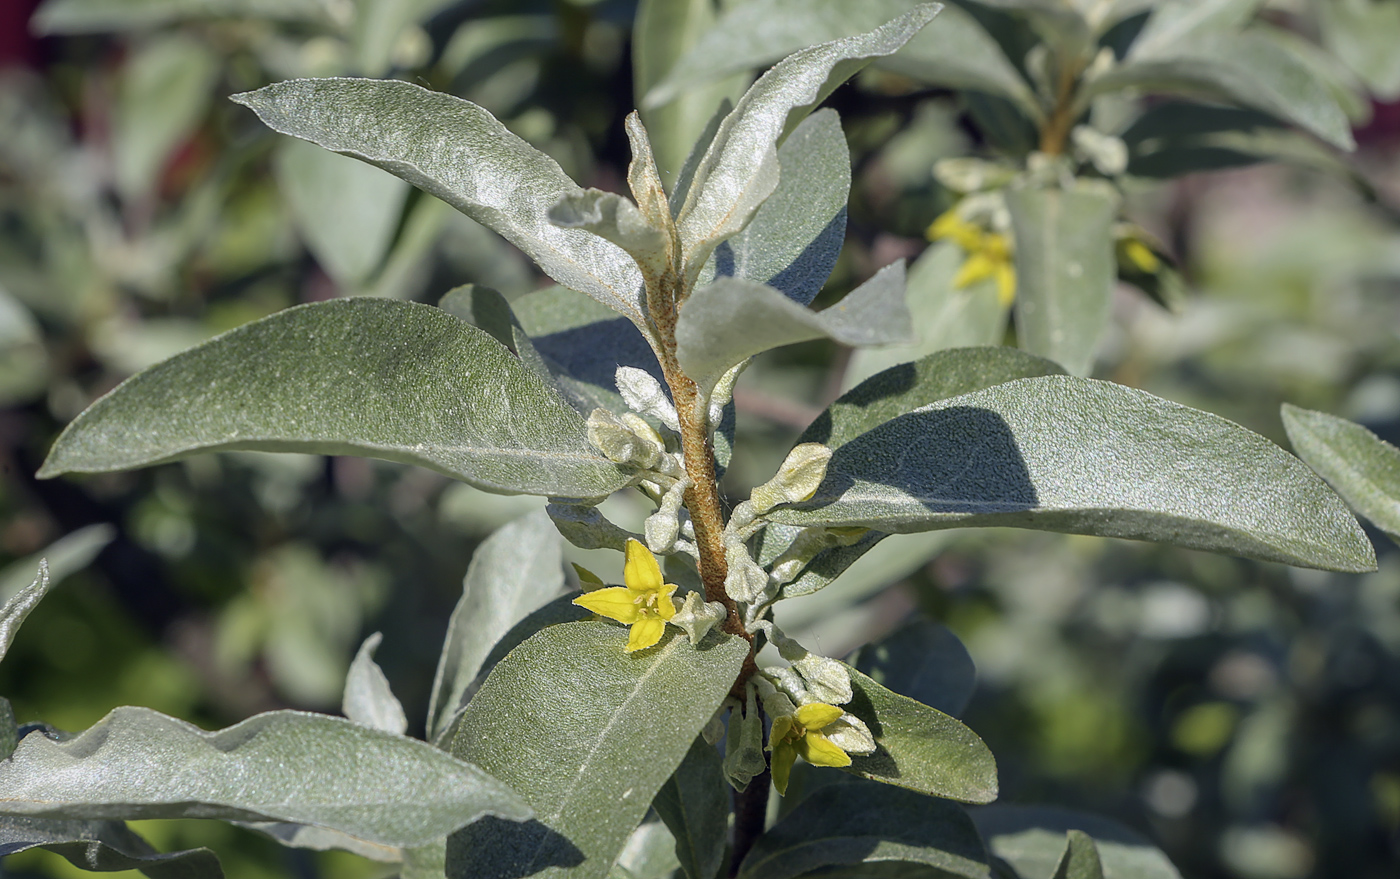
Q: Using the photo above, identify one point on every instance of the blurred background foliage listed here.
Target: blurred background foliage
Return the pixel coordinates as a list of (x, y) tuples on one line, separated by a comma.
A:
[(1245, 715)]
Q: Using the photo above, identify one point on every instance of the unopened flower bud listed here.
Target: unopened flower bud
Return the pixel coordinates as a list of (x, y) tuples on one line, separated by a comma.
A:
[(797, 479), (621, 444), (698, 616), (642, 392), (850, 734)]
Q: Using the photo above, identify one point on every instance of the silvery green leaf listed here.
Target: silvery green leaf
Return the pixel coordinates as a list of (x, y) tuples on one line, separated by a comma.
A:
[(1061, 453), (853, 823), (918, 747), (104, 847), (942, 317), (609, 215), (1031, 839), (94, 16), (1081, 858), (368, 700), (793, 240), (321, 839), (740, 168), (380, 378), (1176, 23), (19, 606), (1248, 69), (514, 572), (1065, 269), (694, 803), (9, 730), (664, 30), (378, 27), (346, 211), (649, 853), (460, 153), (588, 734), (67, 555), (1363, 34), (727, 322), (486, 309), (924, 661), (280, 766), (1362, 467), (24, 359), (164, 91), (905, 388)]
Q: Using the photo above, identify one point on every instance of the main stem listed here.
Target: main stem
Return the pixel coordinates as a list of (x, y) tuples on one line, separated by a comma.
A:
[(1054, 137)]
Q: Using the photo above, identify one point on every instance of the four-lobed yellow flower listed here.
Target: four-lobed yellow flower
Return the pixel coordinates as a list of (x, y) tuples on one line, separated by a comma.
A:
[(988, 254), (644, 603), (799, 735)]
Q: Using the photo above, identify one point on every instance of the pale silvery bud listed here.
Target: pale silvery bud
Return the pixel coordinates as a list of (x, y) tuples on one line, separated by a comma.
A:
[(822, 679), (664, 526), (745, 580), (643, 393), (620, 444), (722, 393), (1104, 151), (964, 175), (587, 528), (791, 683), (850, 734), (808, 543), (797, 479), (698, 616), (775, 701), (743, 748)]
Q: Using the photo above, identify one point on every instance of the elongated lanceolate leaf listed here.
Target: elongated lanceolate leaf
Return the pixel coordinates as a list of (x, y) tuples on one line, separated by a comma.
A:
[(740, 168), (1064, 270), (587, 734), (854, 823), (1032, 840), (918, 747), (1362, 467), (17, 607), (383, 379), (924, 661), (66, 555), (105, 847), (1060, 453), (793, 240), (513, 573), (727, 322), (280, 766), (694, 804), (321, 839), (95, 16), (460, 153), (1176, 23), (368, 699), (1081, 858)]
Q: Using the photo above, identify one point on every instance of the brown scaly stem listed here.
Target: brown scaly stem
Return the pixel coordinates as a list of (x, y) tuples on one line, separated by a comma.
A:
[(1055, 134)]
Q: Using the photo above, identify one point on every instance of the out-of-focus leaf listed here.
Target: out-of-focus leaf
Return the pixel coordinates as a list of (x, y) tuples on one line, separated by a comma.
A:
[(460, 153), (1081, 858), (94, 16), (664, 31), (1344, 85), (924, 661), (24, 364), (740, 168), (104, 847), (378, 27), (694, 804), (727, 322), (280, 766), (1032, 840), (822, 569), (955, 53), (1064, 269), (1175, 23), (19, 606), (512, 574), (164, 91), (1362, 467), (793, 240), (368, 699), (918, 747), (386, 379), (1249, 69), (67, 555), (345, 210), (853, 823), (587, 734), (1363, 35), (943, 317), (321, 839), (649, 853), (9, 730), (1061, 453)]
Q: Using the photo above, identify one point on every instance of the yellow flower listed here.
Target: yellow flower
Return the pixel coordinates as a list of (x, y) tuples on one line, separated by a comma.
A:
[(644, 603), (799, 735), (1138, 255), (988, 254)]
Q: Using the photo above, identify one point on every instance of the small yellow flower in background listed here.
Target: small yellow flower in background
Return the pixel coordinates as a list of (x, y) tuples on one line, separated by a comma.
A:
[(644, 603), (988, 254), (799, 735), (1138, 255)]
